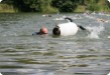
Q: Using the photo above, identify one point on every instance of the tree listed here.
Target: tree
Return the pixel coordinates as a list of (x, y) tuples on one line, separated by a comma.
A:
[(57, 5), (64, 5)]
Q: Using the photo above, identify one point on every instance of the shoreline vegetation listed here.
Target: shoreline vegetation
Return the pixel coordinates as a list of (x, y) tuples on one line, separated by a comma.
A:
[(5, 8), (54, 6)]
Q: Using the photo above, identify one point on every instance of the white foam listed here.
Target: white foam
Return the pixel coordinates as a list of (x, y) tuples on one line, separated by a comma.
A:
[(108, 37), (95, 31), (60, 18)]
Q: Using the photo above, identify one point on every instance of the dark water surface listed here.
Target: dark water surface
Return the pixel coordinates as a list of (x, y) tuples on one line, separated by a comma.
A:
[(86, 53)]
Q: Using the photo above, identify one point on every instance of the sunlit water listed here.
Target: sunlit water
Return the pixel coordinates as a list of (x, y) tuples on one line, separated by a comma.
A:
[(86, 53)]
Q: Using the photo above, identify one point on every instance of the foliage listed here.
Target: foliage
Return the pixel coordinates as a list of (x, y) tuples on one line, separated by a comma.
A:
[(93, 5), (7, 8), (47, 6), (64, 5)]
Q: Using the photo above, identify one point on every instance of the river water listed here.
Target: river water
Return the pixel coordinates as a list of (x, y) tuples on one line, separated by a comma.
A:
[(86, 53)]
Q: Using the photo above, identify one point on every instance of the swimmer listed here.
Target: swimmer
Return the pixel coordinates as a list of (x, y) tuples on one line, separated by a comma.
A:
[(42, 31)]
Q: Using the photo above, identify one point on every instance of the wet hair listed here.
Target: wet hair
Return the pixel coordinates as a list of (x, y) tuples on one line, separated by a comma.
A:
[(56, 31)]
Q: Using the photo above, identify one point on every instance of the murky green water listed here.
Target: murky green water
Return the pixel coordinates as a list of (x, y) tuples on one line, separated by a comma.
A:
[(86, 53)]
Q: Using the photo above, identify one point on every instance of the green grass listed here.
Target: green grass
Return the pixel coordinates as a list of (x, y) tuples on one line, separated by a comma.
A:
[(4, 8), (80, 9), (101, 6)]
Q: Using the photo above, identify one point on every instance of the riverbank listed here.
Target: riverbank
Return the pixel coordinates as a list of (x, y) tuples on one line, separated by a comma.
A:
[(5, 8)]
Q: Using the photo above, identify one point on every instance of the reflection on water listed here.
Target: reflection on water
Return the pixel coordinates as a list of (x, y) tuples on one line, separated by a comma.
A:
[(86, 53)]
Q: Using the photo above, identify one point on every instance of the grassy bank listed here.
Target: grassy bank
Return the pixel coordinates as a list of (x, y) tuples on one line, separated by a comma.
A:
[(98, 7), (4, 8)]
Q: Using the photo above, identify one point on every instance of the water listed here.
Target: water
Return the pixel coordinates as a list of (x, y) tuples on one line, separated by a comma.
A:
[(86, 53)]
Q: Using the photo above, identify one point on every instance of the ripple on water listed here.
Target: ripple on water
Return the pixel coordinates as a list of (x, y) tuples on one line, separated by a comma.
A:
[(24, 54)]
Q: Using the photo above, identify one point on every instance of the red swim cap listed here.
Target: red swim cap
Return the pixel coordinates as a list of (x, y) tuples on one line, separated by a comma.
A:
[(44, 30)]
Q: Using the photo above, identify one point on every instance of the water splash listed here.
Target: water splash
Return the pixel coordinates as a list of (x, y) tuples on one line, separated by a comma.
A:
[(95, 31), (108, 37)]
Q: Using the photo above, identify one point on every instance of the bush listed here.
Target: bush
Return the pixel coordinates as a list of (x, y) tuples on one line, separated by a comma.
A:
[(93, 7)]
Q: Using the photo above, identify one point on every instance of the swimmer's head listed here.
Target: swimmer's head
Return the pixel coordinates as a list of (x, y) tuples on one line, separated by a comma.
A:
[(43, 30)]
